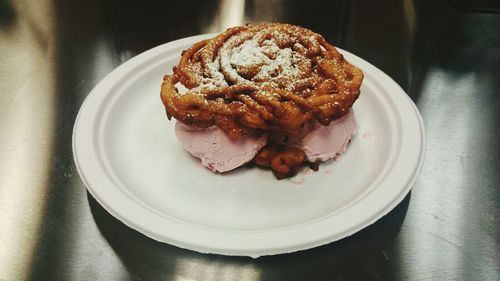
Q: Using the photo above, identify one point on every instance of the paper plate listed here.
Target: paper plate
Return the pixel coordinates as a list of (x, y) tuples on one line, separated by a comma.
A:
[(128, 156)]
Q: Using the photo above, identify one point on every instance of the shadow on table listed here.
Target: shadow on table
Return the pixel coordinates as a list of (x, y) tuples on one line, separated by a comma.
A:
[(362, 256)]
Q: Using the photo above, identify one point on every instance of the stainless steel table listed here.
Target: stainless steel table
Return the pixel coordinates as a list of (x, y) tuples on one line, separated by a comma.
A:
[(445, 54)]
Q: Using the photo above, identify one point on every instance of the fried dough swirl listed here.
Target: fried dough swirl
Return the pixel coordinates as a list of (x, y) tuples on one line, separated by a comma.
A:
[(263, 77)]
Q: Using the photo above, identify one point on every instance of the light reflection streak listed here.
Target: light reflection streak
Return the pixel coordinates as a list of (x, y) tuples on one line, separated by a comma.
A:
[(230, 13), (188, 269), (410, 17), (28, 110), (446, 182), (26, 135), (427, 235)]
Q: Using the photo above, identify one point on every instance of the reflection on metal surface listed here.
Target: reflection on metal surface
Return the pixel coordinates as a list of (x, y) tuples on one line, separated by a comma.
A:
[(102, 59), (230, 13), (192, 268), (53, 52), (457, 197), (270, 11), (450, 223), (433, 231), (410, 16), (26, 135), (99, 65)]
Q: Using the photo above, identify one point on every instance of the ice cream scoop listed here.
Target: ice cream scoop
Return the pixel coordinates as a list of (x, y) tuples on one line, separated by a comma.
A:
[(326, 142), (216, 150), (219, 153)]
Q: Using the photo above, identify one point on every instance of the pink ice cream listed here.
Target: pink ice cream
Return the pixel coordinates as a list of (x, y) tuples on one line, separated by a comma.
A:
[(221, 154), (215, 149), (326, 142)]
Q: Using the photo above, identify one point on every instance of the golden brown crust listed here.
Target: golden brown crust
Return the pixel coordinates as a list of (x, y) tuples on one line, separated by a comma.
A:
[(284, 161), (235, 81)]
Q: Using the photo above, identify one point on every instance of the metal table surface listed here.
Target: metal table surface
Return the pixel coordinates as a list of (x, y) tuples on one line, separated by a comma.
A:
[(446, 57)]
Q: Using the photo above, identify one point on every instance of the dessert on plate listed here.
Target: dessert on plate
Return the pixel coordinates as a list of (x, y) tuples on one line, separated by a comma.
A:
[(277, 95)]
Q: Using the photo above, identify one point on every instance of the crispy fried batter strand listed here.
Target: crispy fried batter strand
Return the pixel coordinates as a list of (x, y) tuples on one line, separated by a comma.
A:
[(267, 77), (284, 161)]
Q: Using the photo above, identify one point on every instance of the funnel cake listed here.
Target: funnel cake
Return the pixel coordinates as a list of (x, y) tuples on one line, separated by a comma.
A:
[(265, 79)]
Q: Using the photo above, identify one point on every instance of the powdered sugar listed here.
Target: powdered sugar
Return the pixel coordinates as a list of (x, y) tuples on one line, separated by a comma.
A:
[(248, 54), (276, 57), (266, 60)]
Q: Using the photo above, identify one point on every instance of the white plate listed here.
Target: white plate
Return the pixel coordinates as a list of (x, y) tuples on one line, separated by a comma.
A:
[(129, 159)]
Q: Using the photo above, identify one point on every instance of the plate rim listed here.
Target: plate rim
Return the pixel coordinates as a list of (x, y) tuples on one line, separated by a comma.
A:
[(236, 246)]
